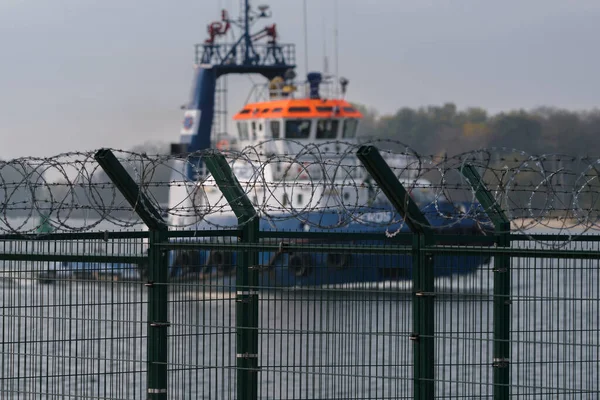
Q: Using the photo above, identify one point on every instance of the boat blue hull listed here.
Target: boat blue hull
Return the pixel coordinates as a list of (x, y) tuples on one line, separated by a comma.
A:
[(284, 270), (360, 268), (313, 267), (216, 265)]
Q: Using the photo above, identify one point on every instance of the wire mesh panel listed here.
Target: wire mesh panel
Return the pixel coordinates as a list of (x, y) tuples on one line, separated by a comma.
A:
[(336, 340), (202, 341), (463, 330), (556, 319), (71, 329)]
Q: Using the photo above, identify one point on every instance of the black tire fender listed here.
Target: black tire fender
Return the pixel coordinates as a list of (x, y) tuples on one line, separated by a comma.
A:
[(338, 260), (299, 264)]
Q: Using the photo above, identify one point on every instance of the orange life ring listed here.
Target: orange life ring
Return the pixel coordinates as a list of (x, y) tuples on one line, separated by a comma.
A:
[(223, 144)]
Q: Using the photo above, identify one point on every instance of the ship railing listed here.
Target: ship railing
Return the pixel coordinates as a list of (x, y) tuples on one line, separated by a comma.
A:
[(340, 165), (261, 54), (292, 89), (300, 169)]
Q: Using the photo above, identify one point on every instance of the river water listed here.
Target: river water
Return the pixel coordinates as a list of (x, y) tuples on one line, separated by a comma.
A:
[(88, 339)]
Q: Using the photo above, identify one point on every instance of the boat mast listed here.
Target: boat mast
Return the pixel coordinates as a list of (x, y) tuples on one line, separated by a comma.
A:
[(247, 39)]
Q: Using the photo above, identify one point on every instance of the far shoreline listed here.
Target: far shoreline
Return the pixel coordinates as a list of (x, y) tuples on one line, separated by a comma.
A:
[(521, 224)]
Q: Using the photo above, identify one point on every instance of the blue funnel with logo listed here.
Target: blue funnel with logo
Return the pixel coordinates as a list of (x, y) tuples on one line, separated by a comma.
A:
[(198, 117)]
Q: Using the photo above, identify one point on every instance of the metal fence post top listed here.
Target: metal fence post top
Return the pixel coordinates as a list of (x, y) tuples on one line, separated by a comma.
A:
[(129, 189), (229, 185), (393, 189), (365, 149), (485, 198)]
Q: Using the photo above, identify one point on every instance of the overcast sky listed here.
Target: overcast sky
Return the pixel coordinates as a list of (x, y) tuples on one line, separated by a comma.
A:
[(81, 74)]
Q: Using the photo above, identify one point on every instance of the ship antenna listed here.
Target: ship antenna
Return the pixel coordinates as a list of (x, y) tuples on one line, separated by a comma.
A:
[(325, 60), (335, 38), (305, 40)]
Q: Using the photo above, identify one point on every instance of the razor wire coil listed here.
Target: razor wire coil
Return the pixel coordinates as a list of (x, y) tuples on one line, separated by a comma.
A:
[(71, 192)]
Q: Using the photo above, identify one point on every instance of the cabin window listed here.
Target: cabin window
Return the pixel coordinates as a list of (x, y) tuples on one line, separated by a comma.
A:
[(350, 126), (275, 129), (253, 130), (324, 109), (327, 128), (298, 109), (300, 200), (242, 130), (297, 129)]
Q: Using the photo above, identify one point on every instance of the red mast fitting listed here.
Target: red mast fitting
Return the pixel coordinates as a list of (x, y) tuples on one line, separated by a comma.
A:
[(217, 28), (268, 31)]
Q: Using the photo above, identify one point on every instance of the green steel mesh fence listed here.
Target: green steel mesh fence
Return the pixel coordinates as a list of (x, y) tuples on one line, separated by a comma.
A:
[(458, 306), (77, 331), (81, 331)]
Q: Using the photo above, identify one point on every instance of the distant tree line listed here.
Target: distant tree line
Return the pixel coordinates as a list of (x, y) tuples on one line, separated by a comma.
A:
[(436, 130), (567, 182)]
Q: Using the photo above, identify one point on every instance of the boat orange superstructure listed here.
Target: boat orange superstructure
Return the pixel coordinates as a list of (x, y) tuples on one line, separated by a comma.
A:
[(298, 108)]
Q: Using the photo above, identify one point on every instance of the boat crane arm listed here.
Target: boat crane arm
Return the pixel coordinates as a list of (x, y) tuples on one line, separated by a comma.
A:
[(216, 29), (268, 31)]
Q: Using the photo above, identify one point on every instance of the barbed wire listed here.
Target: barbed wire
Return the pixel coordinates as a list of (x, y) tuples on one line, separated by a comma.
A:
[(321, 185)]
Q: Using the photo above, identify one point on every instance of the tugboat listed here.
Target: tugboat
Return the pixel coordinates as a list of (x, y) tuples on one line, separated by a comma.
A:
[(295, 147)]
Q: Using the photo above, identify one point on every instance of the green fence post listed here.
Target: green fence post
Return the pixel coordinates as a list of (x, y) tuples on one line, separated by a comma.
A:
[(502, 302), (246, 277), (423, 275), (157, 346)]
